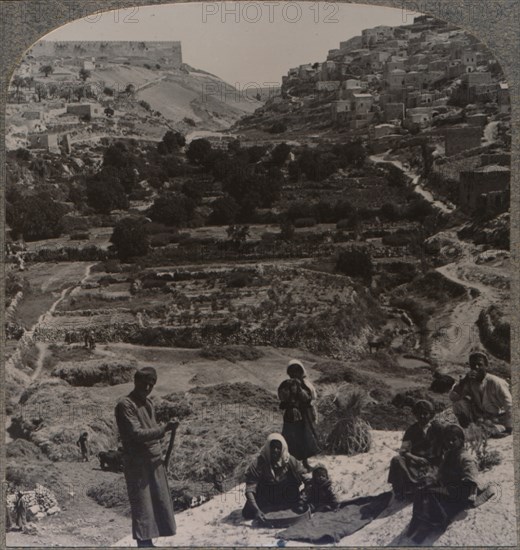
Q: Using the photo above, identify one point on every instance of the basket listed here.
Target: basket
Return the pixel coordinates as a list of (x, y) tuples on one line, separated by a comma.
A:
[(284, 518)]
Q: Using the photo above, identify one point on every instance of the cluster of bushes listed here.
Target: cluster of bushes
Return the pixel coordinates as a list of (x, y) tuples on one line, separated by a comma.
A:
[(317, 165), (34, 216), (232, 353), (355, 261), (68, 254), (95, 374)]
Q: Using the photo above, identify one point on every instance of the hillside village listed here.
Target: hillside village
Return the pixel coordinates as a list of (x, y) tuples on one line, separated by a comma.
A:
[(422, 84), (66, 93), (357, 218)]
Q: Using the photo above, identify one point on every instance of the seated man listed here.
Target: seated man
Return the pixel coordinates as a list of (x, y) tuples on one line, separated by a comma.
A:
[(482, 396)]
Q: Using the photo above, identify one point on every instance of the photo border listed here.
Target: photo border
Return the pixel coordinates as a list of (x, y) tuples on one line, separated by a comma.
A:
[(495, 23)]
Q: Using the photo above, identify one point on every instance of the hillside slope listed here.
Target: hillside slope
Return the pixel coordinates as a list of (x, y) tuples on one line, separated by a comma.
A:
[(178, 94)]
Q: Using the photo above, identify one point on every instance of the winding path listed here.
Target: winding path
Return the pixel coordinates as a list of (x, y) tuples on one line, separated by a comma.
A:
[(29, 337), (456, 333)]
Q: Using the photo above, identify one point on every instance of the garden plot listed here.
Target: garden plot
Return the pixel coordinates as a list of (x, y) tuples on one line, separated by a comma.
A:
[(215, 305)]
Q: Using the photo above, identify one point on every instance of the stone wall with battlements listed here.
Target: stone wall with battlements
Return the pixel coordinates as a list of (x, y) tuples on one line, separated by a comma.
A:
[(167, 54)]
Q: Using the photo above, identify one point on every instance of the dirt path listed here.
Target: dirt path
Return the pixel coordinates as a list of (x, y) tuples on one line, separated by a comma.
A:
[(29, 337), (455, 331)]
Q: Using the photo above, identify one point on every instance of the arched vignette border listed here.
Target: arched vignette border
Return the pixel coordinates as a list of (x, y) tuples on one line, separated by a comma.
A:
[(495, 23)]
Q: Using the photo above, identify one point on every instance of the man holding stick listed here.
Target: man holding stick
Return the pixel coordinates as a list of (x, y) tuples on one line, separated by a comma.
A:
[(145, 470)]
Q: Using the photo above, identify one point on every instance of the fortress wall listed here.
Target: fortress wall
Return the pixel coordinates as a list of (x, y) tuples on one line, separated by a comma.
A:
[(166, 52)]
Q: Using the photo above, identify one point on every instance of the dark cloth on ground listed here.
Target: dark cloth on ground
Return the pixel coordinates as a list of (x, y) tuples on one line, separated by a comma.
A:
[(331, 527), (145, 475), (299, 418)]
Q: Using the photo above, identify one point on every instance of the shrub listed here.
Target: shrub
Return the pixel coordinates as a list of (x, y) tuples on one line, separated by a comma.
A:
[(99, 374), (355, 261), (477, 436), (277, 128), (232, 353), (239, 279), (304, 222), (199, 151), (36, 217), (80, 236), (130, 238)]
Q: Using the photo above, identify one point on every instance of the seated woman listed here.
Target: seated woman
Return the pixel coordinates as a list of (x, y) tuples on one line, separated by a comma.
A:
[(273, 480), (417, 453), (455, 489)]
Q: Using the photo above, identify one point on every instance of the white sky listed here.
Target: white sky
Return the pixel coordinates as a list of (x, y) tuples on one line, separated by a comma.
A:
[(239, 42)]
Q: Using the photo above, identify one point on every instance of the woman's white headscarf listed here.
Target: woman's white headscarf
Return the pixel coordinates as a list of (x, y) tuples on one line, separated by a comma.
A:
[(307, 382), (266, 451)]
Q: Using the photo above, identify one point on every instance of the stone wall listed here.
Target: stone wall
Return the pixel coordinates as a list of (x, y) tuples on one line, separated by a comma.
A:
[(165, 53)]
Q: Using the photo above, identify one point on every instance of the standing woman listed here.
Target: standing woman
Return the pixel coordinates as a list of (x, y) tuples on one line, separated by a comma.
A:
[(297, 399)]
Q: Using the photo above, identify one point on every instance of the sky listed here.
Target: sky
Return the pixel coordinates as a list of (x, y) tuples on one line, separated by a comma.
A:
[(241, 42)]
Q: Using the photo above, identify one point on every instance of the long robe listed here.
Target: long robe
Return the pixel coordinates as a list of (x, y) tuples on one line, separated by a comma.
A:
[(146, 481), (299, 420)]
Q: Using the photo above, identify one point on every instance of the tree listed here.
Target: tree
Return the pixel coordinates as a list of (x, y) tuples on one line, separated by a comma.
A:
[(287, 230), (198, 151), (41, 91), (105, 195), (84, 74), (350, 154), (396, 177), (224, 211), (171, 142), (280, 154), (47, 70), (35, 217), (109, 112), (390, 211), (418, 209), (130, 238), (18, 82), (237, 234), (355, 262), (173, 209), (277, 128)]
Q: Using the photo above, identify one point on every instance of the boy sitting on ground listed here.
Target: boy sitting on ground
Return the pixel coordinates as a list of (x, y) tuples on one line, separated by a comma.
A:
[(319, 494)]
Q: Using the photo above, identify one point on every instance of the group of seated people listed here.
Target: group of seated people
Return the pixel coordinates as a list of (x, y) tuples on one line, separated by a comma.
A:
[(432, 470)]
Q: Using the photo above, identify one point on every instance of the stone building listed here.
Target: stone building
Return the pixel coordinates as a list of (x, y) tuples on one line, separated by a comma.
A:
[(393, 111), (43, 141), (488, 186), (377, 35), (85, 109), (461, 139)]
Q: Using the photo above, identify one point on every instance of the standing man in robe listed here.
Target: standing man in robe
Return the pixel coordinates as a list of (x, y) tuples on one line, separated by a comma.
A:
[(145, 472)]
